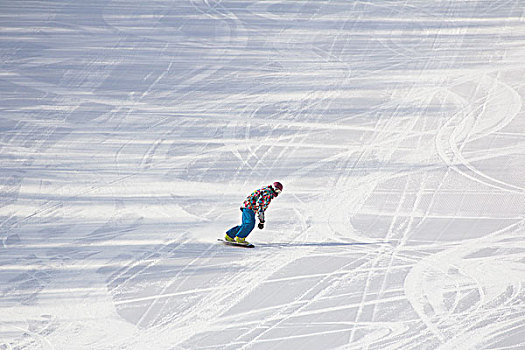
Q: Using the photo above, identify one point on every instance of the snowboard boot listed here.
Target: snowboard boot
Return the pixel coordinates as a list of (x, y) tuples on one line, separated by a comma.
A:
[(242, 240), (228, 238)]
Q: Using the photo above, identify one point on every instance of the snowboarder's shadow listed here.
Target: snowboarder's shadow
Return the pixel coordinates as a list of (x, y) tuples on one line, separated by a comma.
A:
[(320, 244)]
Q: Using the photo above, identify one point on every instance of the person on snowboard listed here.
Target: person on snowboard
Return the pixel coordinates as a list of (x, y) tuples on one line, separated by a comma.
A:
[(255, 203)]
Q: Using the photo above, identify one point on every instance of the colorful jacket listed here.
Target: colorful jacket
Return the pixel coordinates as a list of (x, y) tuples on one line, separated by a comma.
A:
[(259, 200)]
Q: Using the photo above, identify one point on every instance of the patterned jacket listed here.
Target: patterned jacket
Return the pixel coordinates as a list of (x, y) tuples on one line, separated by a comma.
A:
[(259, 200)]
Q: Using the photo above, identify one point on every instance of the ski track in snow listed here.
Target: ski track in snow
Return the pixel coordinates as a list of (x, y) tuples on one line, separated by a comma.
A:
[(131, 132)]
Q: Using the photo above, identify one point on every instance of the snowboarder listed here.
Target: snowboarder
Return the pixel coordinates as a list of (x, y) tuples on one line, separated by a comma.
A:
[(256, 203)]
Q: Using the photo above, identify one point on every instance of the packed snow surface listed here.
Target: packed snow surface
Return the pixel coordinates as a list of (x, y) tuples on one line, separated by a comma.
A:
[(131, 132)]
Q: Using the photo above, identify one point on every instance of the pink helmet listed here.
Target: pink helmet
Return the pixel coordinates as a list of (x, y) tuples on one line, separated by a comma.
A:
[(278, 187)]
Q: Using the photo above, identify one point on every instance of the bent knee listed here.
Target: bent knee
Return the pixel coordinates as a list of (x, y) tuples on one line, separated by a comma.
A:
[(249, 226)]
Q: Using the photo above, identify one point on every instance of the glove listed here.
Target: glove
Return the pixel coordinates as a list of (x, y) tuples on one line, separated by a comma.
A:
[(261, 225)]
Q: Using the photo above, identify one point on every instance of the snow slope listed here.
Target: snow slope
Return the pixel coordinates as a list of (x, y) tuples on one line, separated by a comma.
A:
[(131, 131)]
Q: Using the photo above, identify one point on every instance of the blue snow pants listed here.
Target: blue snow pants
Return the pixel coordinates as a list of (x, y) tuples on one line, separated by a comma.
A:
[(244, 229)]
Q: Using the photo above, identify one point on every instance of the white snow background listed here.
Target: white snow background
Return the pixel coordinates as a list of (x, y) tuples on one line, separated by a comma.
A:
[(131, 132)]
